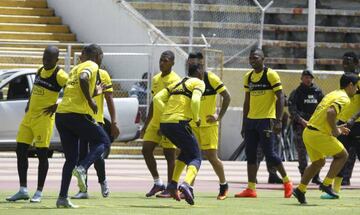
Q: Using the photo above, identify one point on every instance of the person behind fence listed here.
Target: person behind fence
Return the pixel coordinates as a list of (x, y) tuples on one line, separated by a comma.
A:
[(139, 90), (207, 134), (150, 131), (302, 104), (38, 122), (180, 103), (74, 121), (103, 78), (350, 65), (320, 137), (351, 118), (263, 109)]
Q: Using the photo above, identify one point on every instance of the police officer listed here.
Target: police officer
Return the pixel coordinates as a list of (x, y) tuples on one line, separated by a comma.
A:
[(302, 104)]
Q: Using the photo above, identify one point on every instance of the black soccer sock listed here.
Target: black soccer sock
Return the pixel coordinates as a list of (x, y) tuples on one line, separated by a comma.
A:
[(22, 162), (99, 165), (42, 167)]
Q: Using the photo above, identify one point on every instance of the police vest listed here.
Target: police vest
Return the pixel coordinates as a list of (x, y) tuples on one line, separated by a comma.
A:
[(49, 83)]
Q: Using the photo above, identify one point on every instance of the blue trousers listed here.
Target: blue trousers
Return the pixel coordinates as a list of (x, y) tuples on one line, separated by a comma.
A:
[(258, 131), (72, 127), (181, 136)]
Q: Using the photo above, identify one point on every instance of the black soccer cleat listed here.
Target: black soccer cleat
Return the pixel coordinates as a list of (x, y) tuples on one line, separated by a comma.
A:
[(328, 190), (300, 196), (185, 189)]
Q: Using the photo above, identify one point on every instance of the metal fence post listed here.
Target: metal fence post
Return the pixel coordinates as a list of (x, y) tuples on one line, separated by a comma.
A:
[(311, 35), (191, 30)]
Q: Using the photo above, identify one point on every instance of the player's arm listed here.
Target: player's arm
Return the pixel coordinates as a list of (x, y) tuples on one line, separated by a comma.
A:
[(160, 99), (84, 85), (279, 111), (352, 120), (226, 99), (115, 132), (246, 107), (148, 119), (195, 105), (331, 119), (61, 78)]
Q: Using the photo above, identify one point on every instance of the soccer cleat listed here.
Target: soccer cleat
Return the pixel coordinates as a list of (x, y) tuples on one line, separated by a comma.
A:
[(182, 196), (224, 188), (105, 191), (155, 189), (81, 195), (274, 179), (18, 196), (164, 194), (80, 173), (288, 189), (174, 192), (185, 189), (327, 196), (247, 193), (65, 203), (36, 198), (328, 190), (300, 196)]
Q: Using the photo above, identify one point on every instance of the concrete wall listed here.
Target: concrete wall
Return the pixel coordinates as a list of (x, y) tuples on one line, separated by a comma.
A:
[(108, 21)]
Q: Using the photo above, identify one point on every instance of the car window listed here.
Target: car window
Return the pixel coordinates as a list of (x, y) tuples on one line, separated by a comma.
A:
[(4, 76), (16, 89)]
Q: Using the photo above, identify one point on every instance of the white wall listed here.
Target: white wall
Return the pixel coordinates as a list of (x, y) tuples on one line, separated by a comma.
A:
[(107, 21)]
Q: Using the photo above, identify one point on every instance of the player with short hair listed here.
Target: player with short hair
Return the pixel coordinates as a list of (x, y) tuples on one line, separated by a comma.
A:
[(38, 122), (150, 131), (320, 137), (180, 104)]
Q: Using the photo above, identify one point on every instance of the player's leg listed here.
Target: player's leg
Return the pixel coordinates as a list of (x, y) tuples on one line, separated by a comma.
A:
[(83, 151)]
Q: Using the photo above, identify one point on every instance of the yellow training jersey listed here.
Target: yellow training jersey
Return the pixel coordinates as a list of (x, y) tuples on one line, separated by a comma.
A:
[(46, 88), (213, 86), (351, 109), (103, 77), (159, 83), (178, 106), (262, 87), (339, 100), (74, 100)]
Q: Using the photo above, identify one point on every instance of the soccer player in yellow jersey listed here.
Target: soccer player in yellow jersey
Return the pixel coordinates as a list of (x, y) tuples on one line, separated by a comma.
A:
[(103, 78), (263, 109), (74, 121), (351, 118), (37, 125), (208, 133), (180, 104), (152, 137), (320, 137)]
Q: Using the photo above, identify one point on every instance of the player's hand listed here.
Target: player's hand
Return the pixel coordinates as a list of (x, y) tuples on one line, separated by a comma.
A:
[(115, 131), (93, 106), (341, 130), (303, 122), (99, 89), (198, 123), (212, 118), (50, 110), (277, 127)]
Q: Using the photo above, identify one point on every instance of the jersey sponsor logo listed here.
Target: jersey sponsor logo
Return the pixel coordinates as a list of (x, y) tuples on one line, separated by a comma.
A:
[(38, 91), (257, 92)]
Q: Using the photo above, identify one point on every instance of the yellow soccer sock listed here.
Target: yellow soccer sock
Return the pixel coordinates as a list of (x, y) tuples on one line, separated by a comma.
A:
[(179, 167), (190, 174), (302, 187), (286, 179), (328, 181), (251, 186), (337, 184)]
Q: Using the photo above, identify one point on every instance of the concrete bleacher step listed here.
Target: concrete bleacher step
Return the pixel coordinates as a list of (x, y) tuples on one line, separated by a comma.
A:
[(24, 59), (30, 19), (45, 28), (24, 3), (37, 36), (26, 11)]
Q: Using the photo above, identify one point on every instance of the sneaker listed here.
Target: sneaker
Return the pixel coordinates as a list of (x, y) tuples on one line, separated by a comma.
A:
[(155, 189), (316, 180), (327, 196), (185, 189), (164, 194), (300, 196), (274, 179), (105, 191), (328, 190), (174, 192), (81, 195), (18, 196), (36, 198), (288, 189), (65, 203), (182, 196), (247, 193), (80, 173), (223, 191)]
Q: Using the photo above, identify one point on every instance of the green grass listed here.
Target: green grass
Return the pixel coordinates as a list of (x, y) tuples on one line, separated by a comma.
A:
[(268, 202)]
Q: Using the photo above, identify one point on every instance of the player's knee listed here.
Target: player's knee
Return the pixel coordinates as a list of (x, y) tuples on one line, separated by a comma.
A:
[(42, 154), (147, 149), (21, 149), (169, 154), (319, 163)]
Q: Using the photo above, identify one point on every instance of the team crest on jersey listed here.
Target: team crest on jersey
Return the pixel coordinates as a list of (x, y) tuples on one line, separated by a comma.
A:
[(38, 91)]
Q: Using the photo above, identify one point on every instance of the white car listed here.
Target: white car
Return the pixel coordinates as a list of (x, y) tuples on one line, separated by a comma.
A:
[(15, 89)]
